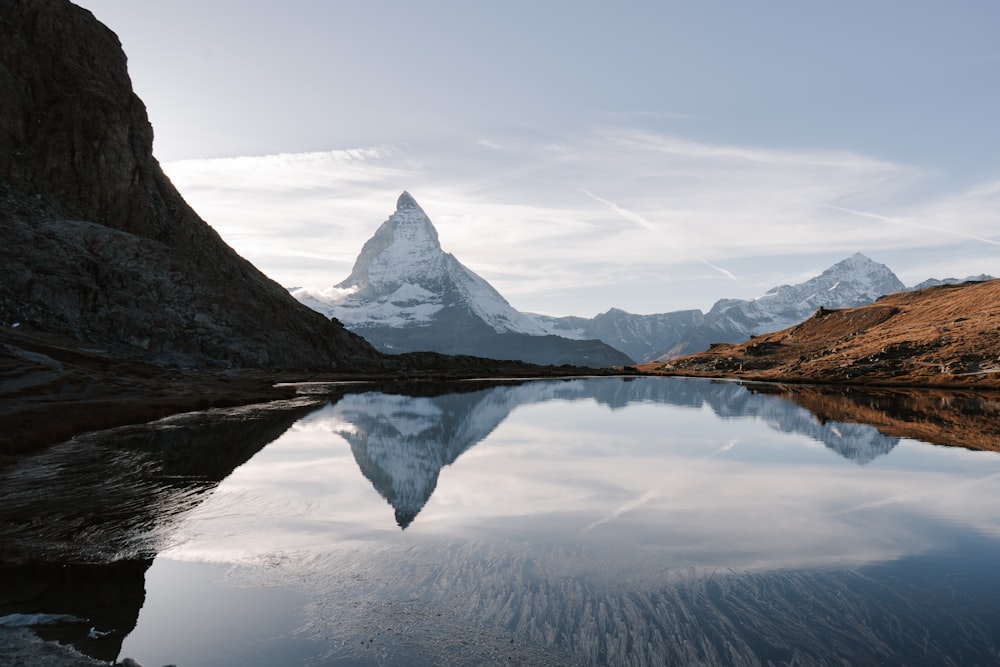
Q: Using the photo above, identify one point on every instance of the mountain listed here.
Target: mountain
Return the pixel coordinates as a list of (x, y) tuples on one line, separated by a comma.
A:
[(406, 294), (938, 336), (642, 337), (854, 281), (98, 246), (935, 282)]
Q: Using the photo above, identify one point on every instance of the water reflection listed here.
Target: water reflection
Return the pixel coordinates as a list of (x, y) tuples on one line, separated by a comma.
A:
[(81, 522), (401, 442), (603, 521), (942, 417)]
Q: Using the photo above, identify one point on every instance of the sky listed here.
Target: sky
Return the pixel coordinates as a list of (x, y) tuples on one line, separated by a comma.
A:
[(649, 156)]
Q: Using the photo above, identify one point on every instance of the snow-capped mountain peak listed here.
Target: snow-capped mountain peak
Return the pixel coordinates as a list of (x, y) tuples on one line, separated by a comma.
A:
[(406, 294), (851, 282), (404, 249), (402, 277)]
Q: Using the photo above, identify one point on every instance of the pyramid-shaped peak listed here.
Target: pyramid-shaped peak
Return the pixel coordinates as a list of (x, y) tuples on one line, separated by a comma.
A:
[(858, 262), (873, 278), (406, 201), (858, 258)]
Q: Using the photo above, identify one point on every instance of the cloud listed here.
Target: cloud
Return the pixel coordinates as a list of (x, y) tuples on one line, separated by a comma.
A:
[(684, 148), (918, 225), (490, 144), (516, 217), (291, 171), (646, 224), (628, 215)]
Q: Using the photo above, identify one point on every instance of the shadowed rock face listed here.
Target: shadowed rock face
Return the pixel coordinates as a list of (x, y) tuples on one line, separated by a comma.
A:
[(98, 244)]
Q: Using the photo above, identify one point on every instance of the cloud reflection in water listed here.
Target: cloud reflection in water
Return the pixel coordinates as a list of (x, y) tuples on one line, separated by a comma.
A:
[(590, 463), (604, 521)]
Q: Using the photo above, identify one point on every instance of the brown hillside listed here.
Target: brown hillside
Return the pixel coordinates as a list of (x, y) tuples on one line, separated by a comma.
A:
[(946, 336)]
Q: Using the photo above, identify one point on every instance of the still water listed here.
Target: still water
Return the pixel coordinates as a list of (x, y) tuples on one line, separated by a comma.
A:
[(647, 521)]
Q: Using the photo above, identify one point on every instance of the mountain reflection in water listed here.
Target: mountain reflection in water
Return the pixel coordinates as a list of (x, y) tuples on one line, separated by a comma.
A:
[(402, 442), (585, 521)]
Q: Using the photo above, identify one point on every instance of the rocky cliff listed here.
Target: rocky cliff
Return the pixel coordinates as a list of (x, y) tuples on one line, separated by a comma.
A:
[(97, 243)]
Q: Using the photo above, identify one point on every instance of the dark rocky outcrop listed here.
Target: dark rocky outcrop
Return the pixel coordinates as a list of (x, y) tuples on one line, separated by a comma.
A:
[(97, 243)]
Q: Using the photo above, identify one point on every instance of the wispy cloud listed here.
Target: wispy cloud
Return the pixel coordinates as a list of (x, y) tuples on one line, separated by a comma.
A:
[(625, 213), (490, 144), (292, 171), (918, 225), (643, 222), (698, 214)]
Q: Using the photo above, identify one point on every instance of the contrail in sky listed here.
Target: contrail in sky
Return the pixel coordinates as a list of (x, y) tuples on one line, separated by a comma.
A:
[(898, 221), (625, 213), (721, 270), (646, 224)]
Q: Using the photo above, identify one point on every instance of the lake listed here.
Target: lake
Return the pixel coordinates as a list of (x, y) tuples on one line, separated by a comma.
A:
[(605, 521)]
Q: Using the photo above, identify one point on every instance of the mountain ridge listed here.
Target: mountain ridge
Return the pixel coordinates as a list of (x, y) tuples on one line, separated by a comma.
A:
[(853, 281)]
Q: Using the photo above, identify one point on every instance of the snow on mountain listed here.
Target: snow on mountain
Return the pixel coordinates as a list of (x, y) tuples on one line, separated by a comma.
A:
[(406, 294), (403, 277), (936, 282), (855, 281)]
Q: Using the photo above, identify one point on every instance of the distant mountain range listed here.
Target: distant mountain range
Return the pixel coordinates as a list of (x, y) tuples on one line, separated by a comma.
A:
[(406, 294), (946, 335), (854, 281)]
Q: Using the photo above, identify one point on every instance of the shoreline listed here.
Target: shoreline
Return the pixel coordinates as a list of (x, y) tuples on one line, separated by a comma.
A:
[(52, 390), (942, 383)]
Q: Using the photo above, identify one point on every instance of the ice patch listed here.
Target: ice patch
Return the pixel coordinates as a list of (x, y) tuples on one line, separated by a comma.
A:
[(408, 293)]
